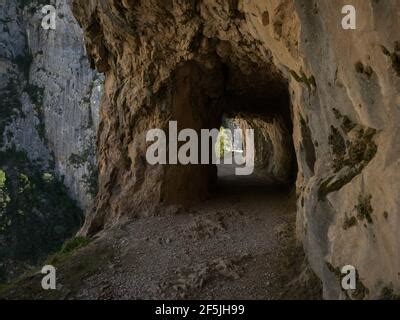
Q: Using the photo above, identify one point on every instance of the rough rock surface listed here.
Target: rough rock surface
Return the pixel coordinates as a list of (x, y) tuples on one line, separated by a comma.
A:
[(51, 96), (273, 148), (178, 59), (49, 113)]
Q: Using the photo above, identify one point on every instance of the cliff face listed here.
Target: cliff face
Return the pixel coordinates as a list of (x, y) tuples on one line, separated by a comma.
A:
[(49, 101), (50, 94), (181, 60)]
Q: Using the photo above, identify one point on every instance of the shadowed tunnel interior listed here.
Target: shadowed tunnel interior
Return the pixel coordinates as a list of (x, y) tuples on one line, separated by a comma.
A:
[(257, 102), (230, 100)]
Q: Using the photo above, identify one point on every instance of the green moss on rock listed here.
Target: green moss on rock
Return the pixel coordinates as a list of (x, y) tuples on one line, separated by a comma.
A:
[(364, 208), (388, 293), (302, 78), (337, 142), (69, 247), (349, 222), (365, 70), (349, 157), (307, 144), (394, 57)]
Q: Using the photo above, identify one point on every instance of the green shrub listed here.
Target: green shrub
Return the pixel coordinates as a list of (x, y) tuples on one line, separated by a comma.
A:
[(74, 244)]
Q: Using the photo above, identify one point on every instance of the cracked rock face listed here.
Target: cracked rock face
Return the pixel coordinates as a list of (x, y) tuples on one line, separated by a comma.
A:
[(273, 148), (52, 94), (175, 60), (49, 113)]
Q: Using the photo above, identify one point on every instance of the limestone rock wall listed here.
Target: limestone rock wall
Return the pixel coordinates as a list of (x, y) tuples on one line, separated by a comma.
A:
[(50, 108), (49, 114), (344, 91), (273, 148)]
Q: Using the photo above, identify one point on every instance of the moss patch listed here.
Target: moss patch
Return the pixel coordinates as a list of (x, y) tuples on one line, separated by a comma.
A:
[(394, 57), (386, 215), (347, 124), (302, 78), (74, 244), (337, 142), (349, 222), (388, 293), (361, 290), (365, 70), (334, 183), (307, 144), (350, 154), (364, 208), (68, 247)]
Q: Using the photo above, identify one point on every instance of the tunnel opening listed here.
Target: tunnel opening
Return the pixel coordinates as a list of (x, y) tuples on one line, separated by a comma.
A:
[(228, 97), (258, 100), (256, 213), (264, 155)]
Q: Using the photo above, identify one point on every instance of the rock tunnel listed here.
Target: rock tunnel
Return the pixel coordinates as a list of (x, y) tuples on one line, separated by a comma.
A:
[(322, 101), (201, 94), (254, 98), (259, 62)]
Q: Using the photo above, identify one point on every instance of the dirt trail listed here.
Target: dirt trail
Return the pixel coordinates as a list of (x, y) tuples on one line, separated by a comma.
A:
[(238, 245)]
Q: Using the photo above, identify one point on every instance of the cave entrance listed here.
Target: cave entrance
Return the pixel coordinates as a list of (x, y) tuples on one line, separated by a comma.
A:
[(223, 95)]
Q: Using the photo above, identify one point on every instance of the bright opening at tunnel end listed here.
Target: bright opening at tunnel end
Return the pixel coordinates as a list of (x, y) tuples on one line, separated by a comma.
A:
[(188, 153)]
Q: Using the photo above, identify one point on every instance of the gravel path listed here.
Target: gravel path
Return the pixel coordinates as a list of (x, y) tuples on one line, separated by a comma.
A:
[(238, 245)]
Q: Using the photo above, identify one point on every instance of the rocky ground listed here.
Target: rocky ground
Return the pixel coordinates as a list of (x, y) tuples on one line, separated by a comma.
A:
[(338, 87), (238, 245)]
